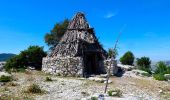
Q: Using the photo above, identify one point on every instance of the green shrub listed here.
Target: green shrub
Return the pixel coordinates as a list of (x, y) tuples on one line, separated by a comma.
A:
[(48, 79), (34, 88), (94, 98), (30, 57), (21, 69), (161, 70), (112, 53), (5, 78), (127, 58), (144, 63), (159, 77), (117, 93)]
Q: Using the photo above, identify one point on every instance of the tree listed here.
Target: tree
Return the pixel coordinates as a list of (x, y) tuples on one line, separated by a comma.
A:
[(112, 53), (30, 57), (53, 37), (127, 58), (144, 63)]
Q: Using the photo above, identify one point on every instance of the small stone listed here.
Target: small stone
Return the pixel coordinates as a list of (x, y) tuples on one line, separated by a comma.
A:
[(109, 81), (160, 91)]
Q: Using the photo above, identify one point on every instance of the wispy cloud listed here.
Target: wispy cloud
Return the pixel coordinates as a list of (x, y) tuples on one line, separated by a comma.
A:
[(110, 15)]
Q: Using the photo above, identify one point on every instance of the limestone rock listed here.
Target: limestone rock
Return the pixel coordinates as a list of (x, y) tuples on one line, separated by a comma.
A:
[(167, 76), (5, 74), (140, 73), (126, 67), (109, 81)]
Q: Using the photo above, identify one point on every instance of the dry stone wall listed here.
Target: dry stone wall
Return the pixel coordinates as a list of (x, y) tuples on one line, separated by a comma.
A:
[(65, 66)]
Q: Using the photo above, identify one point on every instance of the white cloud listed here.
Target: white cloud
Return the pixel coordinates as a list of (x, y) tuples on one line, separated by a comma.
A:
[(110, 15)]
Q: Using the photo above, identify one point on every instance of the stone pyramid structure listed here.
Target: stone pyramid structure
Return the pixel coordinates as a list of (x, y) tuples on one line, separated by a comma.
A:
[(78, 52)]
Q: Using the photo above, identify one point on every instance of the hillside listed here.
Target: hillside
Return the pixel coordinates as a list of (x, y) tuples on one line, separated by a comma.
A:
[(6, 56)]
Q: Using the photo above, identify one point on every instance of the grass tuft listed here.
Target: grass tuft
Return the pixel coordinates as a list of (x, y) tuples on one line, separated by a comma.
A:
[(34, 89)]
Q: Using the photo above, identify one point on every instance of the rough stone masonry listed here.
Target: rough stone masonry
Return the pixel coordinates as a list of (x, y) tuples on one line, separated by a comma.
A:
[(79, 52)]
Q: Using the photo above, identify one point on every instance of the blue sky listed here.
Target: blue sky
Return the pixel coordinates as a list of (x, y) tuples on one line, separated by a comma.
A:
[(147, 31)]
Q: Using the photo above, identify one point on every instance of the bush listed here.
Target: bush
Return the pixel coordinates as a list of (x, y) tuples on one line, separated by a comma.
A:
[(112, 53), (144, 63), (159, 77), (48, 79), (116, 92), (30, 57), (161, 70), (34, 88), (94, 98), (127, 58), (5, 78)]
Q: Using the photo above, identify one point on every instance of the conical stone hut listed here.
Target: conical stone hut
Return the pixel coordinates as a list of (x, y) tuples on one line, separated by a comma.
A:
[(78, 53)]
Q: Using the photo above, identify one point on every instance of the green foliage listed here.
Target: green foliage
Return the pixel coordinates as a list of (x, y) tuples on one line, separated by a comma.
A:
[(161, 70), (112, 53), (34, 88), (48, 79), (5, 78), (117, 93), (94, 98), (159, 77), (30, 57), (127, 58), (144, 63), (53, 37)]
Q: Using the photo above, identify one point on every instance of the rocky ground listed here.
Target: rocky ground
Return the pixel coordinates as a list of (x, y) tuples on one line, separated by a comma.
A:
[(69, 88)]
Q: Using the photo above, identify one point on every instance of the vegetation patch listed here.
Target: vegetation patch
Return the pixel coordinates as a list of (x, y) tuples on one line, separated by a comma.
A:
[(4, 78), (116, 93), (30, 57), (161, 70), (48, 79), (127, 58), (94, 98), (144, 63), (159, 77), (34, 89)]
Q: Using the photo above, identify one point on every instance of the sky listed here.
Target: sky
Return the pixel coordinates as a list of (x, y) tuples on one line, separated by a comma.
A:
[(145, 23)]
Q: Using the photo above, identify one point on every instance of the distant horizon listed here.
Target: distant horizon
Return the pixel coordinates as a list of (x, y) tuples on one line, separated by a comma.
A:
[(25, 23)]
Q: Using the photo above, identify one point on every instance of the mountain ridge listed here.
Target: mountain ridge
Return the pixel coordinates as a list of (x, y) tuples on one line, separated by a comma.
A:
[(6, 56)]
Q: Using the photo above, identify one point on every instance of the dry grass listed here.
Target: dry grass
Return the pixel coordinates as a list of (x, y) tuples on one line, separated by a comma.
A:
[(11, 84), (34, 89)]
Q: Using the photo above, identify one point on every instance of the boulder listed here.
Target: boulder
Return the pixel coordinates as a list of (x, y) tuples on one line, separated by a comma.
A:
[(167, 76), (5, 74), (109, 81), (140, 73), (126, 67), (103, 76), (96, 79)]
